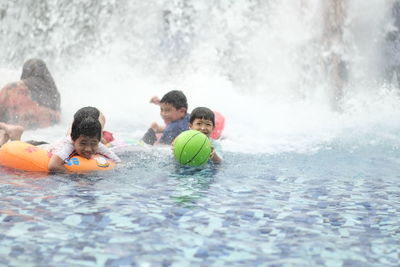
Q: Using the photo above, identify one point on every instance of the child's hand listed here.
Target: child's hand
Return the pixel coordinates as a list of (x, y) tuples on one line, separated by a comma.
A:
[(56, 164), (157, 128), (155, 100), (212, 153), (214, 156)]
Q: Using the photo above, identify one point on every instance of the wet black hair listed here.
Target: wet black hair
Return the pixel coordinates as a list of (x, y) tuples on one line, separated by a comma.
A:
[(176, 98), (40, 83), (87, 112), (87, 126), (202, 113)]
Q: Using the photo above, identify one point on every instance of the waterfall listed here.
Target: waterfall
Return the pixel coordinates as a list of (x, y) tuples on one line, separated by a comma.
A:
[(287, 74)]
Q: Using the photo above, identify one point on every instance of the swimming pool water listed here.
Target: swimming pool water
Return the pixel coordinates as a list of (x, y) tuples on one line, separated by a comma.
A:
[(334, 207)]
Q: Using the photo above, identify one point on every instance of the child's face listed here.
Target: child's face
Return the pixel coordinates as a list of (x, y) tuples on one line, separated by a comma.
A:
[(86, 146), (169, 113), (202, 125)]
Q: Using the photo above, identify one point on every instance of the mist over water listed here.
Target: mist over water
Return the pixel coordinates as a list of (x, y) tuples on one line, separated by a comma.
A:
[(259, 63)]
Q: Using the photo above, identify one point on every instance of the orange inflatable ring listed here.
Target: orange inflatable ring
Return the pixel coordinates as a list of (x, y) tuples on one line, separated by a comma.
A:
[(24, 156)]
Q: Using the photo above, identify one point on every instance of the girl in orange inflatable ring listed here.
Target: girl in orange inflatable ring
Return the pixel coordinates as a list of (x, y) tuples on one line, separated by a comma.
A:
[(34, 101), (81, 151)]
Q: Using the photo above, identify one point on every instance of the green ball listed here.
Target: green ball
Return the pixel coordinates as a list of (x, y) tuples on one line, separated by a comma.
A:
[(192, 148)]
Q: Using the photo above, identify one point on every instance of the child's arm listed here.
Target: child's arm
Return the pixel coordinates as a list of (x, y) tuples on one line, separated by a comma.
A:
[(214, 156), (108, 153), (57, 160), (56, 164), (157, 128)]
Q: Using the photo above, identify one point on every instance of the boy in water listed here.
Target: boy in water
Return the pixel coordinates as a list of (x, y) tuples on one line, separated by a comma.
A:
[(203, 119), (173, 111), (84, 140)]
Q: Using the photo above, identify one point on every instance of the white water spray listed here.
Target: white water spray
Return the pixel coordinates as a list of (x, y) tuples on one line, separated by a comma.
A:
[(260, 63)]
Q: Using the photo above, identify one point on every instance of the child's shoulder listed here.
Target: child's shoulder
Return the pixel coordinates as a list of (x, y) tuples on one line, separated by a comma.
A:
[(179, 122), (61, 143), (184, 119)]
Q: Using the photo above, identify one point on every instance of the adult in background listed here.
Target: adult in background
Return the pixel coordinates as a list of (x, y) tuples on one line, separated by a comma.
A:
[(34, 101)]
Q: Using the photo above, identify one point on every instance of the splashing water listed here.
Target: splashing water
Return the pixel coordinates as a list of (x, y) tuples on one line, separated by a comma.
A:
[(258, 63), (310, 173)]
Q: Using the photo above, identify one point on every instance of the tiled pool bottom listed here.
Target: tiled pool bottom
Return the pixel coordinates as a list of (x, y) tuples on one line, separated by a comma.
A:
[(329, 209)]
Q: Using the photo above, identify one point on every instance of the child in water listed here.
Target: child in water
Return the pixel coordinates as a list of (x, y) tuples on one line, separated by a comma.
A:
[(106, 137), (84, 140), (173, 110), (203, 119)]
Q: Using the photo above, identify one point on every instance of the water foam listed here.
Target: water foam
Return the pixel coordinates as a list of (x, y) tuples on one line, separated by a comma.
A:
[(257, 63)]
